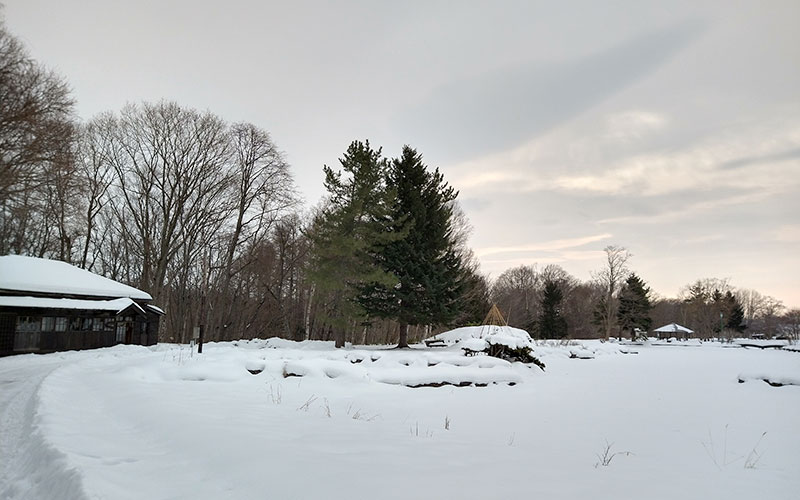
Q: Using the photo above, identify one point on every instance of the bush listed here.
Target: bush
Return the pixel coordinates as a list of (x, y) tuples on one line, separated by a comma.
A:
[(523, 354)]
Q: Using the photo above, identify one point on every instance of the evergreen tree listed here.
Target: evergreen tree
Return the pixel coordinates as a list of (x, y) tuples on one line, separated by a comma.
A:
[(634, 306), (348, 233), (551, 323), (735, 313), (425, 260)]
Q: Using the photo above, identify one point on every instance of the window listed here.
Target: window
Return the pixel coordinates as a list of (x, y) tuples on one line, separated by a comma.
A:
[(121, 332), (75, 324), (26, 337), (97, 324), (48, 324), (61, 324), (29, 324), (109, 324)]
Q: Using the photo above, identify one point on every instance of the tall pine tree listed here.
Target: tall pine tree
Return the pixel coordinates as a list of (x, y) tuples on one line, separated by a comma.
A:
[(734, 313), (551, 323), (425, 260), (349, 232), (634, 306)]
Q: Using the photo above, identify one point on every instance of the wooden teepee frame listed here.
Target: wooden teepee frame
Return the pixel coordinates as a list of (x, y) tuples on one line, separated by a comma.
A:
[(494, 317)]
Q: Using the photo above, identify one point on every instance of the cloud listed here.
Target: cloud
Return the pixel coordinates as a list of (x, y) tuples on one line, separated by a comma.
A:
[(547, 246), (685, 207), (587, 158), (787, 233), (501, 109), (792, 154), (633, 125)]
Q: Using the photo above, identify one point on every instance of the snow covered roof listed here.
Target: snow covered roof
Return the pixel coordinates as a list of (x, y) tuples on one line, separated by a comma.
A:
[(29, 274), (673, 328), (116, 305), (156, 309)]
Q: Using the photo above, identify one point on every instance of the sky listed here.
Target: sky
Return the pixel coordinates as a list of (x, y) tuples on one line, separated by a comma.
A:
[(669, 128)]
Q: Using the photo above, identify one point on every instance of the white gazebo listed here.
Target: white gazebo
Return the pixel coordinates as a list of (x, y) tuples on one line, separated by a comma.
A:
[(673, 330)]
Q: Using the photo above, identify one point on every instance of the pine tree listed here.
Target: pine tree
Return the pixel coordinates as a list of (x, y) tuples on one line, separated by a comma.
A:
[(425, 259), (634, 306), (348, 233), (551, 323), (735, 313)]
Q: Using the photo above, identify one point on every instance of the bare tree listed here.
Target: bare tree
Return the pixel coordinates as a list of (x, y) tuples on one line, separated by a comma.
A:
[(610, 278), (172, 183), (35, 132), (516, 293)]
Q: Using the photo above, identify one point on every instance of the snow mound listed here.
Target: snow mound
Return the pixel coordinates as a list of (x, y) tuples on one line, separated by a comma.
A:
[(506, 335), (410, 369), (775, 378), (762, 343)]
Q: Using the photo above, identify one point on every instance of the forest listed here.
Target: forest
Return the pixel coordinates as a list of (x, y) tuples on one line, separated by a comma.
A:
[(204, 215)]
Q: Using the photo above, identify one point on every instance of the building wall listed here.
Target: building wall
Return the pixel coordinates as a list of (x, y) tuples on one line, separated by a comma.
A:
[(49, 330)]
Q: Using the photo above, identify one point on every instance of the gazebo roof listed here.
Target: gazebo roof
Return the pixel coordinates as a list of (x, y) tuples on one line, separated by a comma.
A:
[(673, 328)]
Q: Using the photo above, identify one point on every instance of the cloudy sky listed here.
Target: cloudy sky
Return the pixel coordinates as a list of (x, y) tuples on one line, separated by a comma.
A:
[(670, 128)]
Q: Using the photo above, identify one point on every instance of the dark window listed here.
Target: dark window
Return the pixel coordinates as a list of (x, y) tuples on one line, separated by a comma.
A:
[(61, 324), (97, 324), (48, 324), (27, 336), (29, 324), (75, 324), (86, 324)]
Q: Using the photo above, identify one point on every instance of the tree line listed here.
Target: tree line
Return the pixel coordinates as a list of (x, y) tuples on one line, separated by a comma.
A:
[(203, 214)]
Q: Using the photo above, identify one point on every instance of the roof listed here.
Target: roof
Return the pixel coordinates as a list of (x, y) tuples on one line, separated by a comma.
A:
[(115, 305), (32, 275), (673, 328), (155, 309)]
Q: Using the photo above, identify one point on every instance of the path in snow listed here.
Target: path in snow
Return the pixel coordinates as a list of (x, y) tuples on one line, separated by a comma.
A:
[(29, 468)]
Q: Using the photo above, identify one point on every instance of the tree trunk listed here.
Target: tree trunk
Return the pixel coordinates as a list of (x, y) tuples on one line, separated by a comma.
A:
[(340, 334), (403, 335)]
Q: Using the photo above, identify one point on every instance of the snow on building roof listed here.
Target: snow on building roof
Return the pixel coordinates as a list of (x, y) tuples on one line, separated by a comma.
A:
[(29, 274), (673, 328), (116, 305), (156, 309)]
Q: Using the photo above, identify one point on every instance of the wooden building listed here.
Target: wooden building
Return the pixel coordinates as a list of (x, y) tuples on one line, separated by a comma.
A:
[(48, 305)]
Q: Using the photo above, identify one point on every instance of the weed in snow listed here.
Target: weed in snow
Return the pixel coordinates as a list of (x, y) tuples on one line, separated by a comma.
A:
[(723, 458), (275, 394), (754, 456), (305, 406), (327, 407), (606, 456), (415, 432)]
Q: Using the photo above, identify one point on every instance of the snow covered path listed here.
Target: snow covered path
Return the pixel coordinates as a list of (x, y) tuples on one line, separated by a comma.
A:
[(28, 467), (130, 423)]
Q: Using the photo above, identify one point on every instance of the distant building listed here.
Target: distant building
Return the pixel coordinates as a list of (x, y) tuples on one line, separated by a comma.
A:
[(48, 305), (673, 330)]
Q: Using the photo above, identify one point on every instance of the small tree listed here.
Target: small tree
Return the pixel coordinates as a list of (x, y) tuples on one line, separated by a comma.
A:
[(634, 306), (551, 323)]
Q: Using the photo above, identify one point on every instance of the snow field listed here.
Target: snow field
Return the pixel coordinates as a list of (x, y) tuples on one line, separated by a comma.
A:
[(132, 422)]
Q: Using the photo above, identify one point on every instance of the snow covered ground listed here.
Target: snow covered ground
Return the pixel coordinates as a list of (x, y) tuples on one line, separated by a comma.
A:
[(131, 422)]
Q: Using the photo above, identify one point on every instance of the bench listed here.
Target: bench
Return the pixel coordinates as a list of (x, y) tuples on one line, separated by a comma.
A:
[(435, 343)]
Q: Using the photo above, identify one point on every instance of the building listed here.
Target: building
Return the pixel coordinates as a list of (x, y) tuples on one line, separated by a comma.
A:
[(673, 330), (48, 305)]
